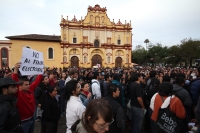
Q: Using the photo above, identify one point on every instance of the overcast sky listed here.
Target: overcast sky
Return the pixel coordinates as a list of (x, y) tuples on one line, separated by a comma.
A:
[(161, 21)]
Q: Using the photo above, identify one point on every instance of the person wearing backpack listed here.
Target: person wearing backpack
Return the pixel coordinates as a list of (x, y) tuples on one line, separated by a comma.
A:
[(74, 107), (95, 86), (165, 99)]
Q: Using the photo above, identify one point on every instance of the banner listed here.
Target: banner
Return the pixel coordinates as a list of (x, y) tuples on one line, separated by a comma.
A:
[(32, 62)]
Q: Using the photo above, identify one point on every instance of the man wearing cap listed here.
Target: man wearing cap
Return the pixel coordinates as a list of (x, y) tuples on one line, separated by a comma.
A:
[(9, 115), (26, 101)]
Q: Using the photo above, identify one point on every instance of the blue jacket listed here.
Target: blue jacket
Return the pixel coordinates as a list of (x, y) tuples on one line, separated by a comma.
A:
[(195, 90), (84, 99)]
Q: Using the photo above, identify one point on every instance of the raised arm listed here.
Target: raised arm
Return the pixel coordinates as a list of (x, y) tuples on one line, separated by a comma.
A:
[(36, 82), (15, 73)]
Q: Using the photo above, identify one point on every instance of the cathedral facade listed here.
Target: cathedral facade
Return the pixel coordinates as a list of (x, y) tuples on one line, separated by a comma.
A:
[(90, 41)]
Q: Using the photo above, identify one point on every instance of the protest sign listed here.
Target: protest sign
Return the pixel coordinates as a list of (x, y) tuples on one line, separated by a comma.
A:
[(32, 62)]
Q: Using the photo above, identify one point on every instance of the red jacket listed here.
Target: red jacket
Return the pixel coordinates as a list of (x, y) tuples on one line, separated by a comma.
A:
[(26, 100)]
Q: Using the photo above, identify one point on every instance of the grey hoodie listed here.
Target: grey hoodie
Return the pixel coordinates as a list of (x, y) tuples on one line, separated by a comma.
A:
[(182, 94)]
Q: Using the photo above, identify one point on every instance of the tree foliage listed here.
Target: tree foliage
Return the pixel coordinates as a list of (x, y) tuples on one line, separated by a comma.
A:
[(186, 51)]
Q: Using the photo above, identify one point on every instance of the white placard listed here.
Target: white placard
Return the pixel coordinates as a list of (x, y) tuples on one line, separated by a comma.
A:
[(32, 62)]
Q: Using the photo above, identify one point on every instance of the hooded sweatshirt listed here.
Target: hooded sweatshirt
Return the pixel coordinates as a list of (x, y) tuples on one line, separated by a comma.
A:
[(183, 95)]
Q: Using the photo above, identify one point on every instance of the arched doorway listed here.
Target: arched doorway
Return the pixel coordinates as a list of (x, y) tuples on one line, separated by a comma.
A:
[(74, 61), (96, 59), (96, 43), (118, 62)]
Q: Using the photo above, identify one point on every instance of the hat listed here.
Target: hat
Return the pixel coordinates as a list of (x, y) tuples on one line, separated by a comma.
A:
[(7, 81)]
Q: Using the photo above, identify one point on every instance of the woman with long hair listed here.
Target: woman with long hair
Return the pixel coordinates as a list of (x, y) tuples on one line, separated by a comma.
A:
[(74, 107), (51, 110), (96, 119), (40, 93), (85, 95)]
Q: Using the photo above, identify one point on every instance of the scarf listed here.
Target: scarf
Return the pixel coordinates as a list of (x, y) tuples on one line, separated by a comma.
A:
[(86, 92)]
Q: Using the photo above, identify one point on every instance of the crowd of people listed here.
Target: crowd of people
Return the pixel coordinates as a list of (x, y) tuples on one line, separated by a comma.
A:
[(98, 100)]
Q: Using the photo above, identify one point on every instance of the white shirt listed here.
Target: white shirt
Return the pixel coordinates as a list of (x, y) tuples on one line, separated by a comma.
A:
[(96, 90), (67, 79), (74, 111)]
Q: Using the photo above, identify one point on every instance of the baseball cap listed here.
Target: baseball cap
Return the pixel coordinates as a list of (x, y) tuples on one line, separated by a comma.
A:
[(8, 81)]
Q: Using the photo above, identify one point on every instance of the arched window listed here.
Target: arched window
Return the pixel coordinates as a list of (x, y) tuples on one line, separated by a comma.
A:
[(4, 57), (50, 53), (74, 40), (96, 43), (118, 41), (85, 59), (65, 59)]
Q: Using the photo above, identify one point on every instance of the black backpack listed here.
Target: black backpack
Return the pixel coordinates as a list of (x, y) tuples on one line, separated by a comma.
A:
[(167, 121), (73, 127)]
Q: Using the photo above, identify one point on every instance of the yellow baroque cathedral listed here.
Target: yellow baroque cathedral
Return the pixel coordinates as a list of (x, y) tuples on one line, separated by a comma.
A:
[(92, 40)]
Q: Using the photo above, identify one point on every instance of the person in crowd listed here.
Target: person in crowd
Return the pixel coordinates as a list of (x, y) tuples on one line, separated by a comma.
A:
[(197, 113), (95, 86), (160, 76), (176, 106), (80, 75), (9, 115), (173, 76), (185, 98), (116, 80), (96, 119), (137, 104), (194, 88), (73, 74), (75, 108), (26, 100), (101, 81), (85, 95), (107, 81), (85, 78), (41, 90), (166, 78), (118, 113), (152, 74), (40, 93), (51, 110), (61, 84), (52, 78), (154, 84)]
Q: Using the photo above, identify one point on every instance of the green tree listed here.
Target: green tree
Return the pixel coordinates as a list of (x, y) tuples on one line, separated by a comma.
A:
[(139, 55), (158, 53), (189, 49), (174, 55), (146, 41)]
